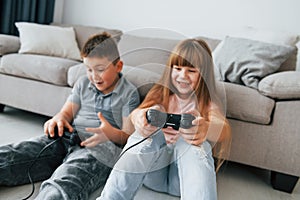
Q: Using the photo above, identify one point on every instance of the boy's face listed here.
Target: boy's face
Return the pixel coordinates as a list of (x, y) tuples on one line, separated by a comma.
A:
[(103, 73)]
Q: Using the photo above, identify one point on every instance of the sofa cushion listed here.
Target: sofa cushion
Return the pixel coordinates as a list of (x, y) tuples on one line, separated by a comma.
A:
[(139, 50), (44, 68), (274, 37), (143, 77), (247, 104), (9, 44), (48, 40), (75, 72), (283, 85), (245, 61), (84, 32)]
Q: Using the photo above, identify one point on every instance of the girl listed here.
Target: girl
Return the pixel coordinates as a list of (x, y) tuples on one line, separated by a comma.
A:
[(177, 162)]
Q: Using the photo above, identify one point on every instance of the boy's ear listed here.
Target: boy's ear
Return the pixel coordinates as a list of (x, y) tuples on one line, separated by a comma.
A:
[(119, 66)]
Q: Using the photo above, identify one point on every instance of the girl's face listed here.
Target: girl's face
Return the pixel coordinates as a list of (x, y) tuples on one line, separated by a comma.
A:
[(185, 79), (103, 73)]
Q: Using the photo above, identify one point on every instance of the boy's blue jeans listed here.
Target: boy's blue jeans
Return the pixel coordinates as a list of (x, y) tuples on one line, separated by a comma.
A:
[(182, 170), (71, 172)]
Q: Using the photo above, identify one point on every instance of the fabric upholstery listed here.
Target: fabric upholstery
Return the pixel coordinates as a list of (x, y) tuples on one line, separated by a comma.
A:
[(247, 104), (283, 85), (75, 72), (84, 32), (48, 40), (142, 77), (9, 44), (31, 95), (44, 68), (245, 61), (139, 51), (273, 37)]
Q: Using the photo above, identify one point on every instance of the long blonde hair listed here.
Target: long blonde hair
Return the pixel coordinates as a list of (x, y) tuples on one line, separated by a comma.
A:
[(197, 54)]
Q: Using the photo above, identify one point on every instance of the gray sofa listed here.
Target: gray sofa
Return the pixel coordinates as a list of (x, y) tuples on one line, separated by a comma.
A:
[(264, 117)]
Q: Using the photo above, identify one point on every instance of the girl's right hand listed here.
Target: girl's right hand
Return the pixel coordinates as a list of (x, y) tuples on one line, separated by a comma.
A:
[(138, 118)]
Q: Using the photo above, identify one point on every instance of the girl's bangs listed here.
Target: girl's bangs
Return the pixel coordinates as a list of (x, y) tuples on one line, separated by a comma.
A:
[(187, 57), (181, 60)]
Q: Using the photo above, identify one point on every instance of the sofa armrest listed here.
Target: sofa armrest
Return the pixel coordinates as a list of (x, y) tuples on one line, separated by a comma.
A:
[(9, 44), (282, 85)]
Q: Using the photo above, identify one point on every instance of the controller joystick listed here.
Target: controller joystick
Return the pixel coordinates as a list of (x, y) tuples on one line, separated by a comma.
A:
[(163, 120), (186, 121), (73, 137)]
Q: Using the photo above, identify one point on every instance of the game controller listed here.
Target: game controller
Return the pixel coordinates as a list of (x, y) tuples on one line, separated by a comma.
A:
[(163, 120), (73, 137)]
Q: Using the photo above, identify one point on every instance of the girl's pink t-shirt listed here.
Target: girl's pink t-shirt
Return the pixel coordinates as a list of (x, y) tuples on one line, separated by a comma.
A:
[(177, 106)]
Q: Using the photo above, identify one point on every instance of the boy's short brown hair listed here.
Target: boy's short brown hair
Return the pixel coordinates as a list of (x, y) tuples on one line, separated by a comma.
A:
[(101, 45)]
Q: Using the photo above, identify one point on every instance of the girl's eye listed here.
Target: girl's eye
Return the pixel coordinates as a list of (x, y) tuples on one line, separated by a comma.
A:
[(177, 68), (192, 70)]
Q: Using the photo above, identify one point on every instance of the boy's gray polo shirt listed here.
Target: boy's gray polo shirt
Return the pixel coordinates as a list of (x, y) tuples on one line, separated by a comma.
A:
[(115, 105)]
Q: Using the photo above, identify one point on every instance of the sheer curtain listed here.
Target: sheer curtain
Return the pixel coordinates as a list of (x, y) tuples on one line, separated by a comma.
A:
[(11, 11)]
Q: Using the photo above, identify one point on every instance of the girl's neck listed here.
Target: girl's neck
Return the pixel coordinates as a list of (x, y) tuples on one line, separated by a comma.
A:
[(181, 105)]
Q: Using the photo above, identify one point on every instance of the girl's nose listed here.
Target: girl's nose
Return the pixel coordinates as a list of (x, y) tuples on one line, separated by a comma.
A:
[(183, 73)]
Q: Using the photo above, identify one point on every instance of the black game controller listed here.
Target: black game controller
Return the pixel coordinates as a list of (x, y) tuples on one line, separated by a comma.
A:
[(163, 120), (73, 137)]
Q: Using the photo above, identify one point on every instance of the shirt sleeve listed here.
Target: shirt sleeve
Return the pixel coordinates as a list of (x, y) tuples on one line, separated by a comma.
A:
[(74, 97), (133, 101)]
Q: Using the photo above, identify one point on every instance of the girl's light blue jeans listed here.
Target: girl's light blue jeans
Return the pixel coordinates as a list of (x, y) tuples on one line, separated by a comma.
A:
[(181, 169)]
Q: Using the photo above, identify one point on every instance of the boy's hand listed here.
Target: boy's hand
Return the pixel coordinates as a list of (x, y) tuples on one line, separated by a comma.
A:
[(99, 133), (59, 122), (197, 134)]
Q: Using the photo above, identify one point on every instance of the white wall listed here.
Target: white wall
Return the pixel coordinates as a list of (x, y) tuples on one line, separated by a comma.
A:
[(188, 17)]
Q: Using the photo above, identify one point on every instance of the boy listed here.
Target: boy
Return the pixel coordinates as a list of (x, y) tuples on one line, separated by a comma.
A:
[(98, 109)]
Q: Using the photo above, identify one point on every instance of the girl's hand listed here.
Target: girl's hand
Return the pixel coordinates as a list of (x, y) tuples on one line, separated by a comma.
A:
[(57, 121), (138, 118), (99, 133), (197, 134)]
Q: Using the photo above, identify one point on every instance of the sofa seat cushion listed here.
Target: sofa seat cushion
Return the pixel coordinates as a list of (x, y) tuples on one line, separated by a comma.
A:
[(38, 67), (247, 104)]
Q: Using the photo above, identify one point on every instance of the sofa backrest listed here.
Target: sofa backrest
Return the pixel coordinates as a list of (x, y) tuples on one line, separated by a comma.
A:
[(140, 50), (84, 32)]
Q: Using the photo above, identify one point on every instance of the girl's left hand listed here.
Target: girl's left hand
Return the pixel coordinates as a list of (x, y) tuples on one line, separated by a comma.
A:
[(197, 134)]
